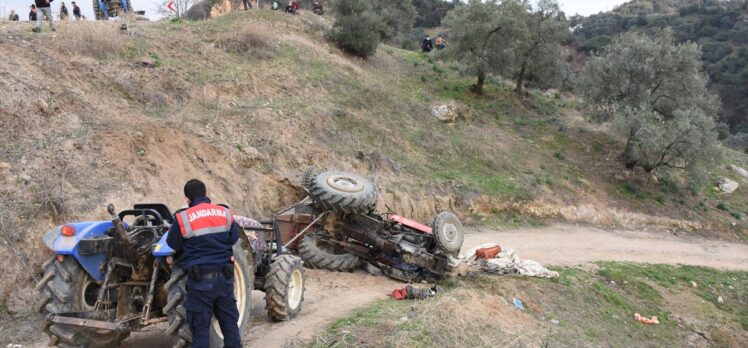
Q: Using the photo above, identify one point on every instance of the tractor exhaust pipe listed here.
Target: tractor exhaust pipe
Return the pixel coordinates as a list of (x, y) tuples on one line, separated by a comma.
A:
[(119, 231)]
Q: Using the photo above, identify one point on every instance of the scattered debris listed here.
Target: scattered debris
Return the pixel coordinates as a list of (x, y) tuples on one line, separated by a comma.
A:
[(518, 303), (411, 293), (487, 253), (720, 300), (555, 321), (505, 262), (727, 185), (694, 285), (645, 320)]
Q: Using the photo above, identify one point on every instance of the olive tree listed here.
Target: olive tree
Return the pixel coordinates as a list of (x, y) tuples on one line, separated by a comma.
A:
[(654, 92), (484, 37), (397, 17), (541, 55), (356, 27)]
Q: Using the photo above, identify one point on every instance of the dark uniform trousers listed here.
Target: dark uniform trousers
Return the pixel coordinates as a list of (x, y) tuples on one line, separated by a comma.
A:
[(208, 297)]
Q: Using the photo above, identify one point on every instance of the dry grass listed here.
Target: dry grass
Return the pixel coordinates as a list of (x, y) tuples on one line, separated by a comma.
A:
[(443, 321), (94, 39), (252, 39)]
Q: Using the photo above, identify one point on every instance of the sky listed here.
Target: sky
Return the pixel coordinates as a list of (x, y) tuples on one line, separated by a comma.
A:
[(571, 7), (586, 7)]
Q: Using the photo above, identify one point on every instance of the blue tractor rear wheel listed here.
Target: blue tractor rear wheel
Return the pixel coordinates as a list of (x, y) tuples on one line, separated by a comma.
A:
[(67, 287)]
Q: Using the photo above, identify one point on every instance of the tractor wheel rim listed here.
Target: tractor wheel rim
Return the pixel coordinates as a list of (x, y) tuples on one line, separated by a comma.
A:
[(345, 184), (295, 289), (240, 290), (450, 231), (89, 293)]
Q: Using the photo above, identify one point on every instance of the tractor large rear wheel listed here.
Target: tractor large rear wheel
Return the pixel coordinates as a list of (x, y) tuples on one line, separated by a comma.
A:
[(67, 287), (179, 329), (317, 252), (343, 192)]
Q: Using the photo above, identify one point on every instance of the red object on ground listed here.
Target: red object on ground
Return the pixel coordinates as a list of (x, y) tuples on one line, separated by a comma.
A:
[(487, 253), (411, 223), (399, 294)]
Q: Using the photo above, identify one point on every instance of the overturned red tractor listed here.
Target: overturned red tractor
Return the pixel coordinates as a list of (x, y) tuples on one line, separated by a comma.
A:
[(336, 228)]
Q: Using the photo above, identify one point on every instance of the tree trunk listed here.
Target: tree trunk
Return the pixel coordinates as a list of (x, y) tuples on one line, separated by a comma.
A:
[(629, 159), (521, 78), (477, 88)]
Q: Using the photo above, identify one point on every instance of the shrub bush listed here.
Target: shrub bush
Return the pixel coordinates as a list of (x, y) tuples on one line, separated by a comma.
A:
[(356, 27)]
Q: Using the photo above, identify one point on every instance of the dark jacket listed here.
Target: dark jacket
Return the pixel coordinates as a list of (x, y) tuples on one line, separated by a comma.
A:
[(42, 3), (76, 11), (427, 45), (32, 15), (210, 251)]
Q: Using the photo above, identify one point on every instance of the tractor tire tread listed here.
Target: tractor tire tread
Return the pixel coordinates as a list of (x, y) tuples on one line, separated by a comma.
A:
[(276, 288), (57, 291), (328, 198), (315, 257)]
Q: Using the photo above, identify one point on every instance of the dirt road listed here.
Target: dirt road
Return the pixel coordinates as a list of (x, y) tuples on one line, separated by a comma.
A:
[(569, 245), (330, 296)]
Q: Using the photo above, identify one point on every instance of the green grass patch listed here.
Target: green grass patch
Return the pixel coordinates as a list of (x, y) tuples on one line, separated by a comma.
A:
[(592, 308)]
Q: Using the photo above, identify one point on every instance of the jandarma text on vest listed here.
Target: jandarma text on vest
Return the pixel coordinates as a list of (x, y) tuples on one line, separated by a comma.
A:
[(205, 213)]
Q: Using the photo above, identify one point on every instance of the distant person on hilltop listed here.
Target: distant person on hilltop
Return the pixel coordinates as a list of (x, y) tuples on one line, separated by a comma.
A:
[(440, 43), (43, 6), (32, 14), (293, 7), (318, 8), (64, 12), (427, 44), (275, 6), (77, 11), (13, 16)]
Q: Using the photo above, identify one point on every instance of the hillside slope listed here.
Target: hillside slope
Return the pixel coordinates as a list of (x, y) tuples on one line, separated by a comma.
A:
[(246, 102)]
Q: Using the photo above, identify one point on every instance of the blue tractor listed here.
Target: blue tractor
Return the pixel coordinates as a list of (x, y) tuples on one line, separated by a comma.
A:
[(110, 278)]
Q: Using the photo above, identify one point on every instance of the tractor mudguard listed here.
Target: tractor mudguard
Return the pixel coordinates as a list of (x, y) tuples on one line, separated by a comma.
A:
[(64, 245), (161, 249)]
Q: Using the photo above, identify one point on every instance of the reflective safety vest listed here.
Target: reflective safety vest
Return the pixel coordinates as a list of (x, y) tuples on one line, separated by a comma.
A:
[(203, 219)]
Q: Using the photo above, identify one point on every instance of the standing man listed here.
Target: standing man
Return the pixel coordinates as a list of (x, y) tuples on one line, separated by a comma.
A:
[(104, 8), (32, 13), (64, 12), (76, 11), (205, 233), (441, 43), (44, 9), (427, 45)]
